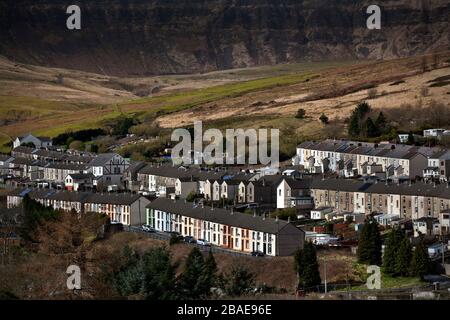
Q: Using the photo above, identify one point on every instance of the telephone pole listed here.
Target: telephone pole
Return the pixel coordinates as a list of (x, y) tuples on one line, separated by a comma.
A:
[(443, 254), (325, 274)]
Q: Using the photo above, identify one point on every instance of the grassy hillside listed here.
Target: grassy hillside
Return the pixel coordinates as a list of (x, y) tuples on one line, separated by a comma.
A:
[(31, 100)]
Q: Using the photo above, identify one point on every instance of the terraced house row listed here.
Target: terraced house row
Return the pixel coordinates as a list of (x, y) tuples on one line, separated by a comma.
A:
[(41, 166), (385, 160), (128, 209), (225, 228), (412, 200)]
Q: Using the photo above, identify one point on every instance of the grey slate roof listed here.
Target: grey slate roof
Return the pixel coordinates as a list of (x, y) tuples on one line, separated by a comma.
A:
[(347, 185), (101, 159), (135, 166), (83, 197), (69, 196), (298, 183), (49, 154), (218, 215), (78, 158), (22, 161), (23, 149), (66, 166), (81, 176), (396, 151), (180, 172), (416, 188), (113, 198)]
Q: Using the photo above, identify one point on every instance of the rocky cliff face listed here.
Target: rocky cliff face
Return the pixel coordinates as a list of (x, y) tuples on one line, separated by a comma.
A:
[(183, 36)]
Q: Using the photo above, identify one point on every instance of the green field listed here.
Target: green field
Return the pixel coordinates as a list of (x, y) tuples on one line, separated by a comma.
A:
[(188, 99)]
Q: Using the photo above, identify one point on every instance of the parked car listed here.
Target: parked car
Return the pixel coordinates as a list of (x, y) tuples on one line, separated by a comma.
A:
[(190, 239), (113, 188), (258, 254), (203, 242), (148, 228), (115, 222), (174, 233)]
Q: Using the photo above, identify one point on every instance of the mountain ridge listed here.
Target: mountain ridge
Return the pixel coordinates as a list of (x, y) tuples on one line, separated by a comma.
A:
[(137, 37)]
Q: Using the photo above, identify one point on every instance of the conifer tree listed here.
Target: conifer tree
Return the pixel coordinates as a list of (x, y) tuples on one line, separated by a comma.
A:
[(353, 127), (189, 284), (370, 130), (381, 123), (208, 277), (420, 264), (369, 245), (238, 280), (158, 275), (391, 249), (403, 258), (307, 267)]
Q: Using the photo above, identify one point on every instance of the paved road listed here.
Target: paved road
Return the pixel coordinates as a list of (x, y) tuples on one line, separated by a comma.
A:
[(166, 236)]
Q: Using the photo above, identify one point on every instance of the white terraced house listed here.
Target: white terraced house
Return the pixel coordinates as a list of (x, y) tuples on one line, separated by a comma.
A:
[(438, 166), (38, 142), (227, 229), (108, 164), (395, 160)]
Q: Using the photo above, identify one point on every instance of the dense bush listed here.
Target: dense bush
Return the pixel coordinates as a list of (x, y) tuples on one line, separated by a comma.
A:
[(82, 135)]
